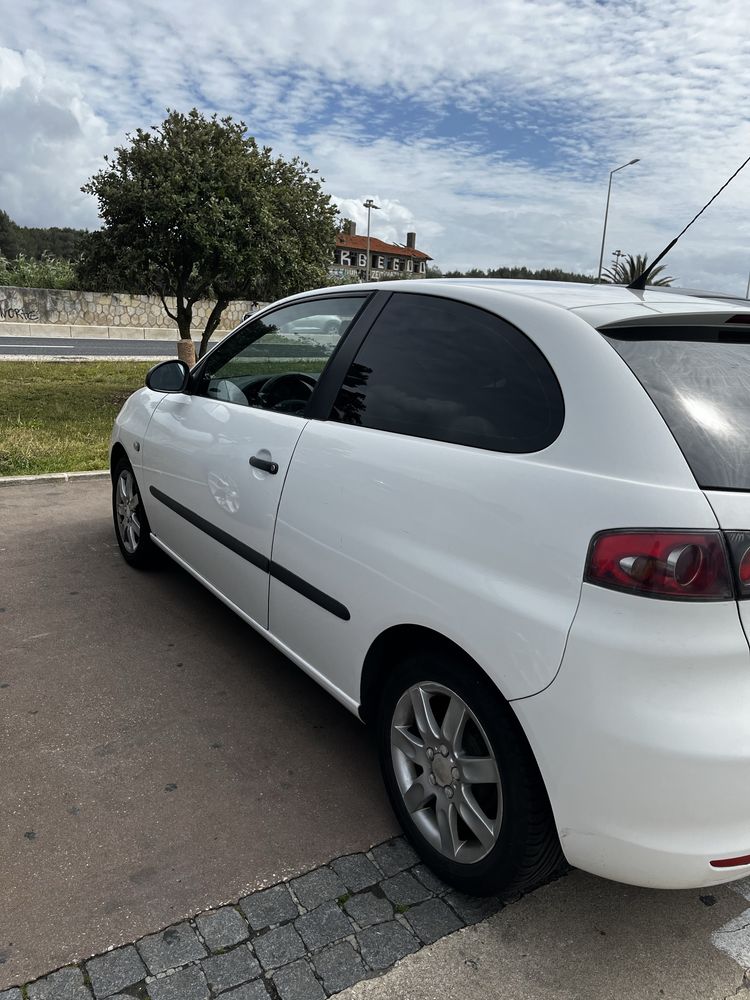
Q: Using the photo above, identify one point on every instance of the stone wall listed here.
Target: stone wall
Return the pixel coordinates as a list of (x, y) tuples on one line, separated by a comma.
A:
[(100, 309)]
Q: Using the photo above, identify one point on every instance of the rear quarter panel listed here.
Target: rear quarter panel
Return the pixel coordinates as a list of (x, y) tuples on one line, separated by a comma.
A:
[(485, 548)]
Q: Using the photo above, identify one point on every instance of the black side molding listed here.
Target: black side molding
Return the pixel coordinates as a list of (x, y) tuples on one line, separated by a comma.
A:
[(254, 557), (223, 537), (307, 590)]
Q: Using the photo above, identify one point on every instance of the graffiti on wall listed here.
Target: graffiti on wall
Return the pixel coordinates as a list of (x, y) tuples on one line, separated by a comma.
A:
[(11, 313)]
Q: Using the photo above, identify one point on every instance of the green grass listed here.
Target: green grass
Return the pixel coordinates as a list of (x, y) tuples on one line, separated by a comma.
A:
[(57, 417)]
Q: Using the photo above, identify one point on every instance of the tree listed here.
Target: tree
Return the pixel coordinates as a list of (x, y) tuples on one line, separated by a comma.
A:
[(37, 243), (522, 273), (628, 267), (8, 236), (194, 208)]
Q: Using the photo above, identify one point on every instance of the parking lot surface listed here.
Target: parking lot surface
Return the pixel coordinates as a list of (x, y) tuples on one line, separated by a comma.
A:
[(159, 758)]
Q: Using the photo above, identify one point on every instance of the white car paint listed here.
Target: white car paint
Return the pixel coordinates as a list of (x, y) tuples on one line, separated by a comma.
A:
[(197, 452), (635, 709)]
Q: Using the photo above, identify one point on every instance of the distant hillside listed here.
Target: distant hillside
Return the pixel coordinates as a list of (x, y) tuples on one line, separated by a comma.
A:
[(34, 242)]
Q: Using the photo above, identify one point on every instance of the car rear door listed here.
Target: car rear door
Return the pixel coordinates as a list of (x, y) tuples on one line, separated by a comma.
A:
[(215, 457)]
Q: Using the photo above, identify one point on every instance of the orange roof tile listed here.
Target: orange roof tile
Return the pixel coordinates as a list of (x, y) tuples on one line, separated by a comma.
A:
[(347, 242)]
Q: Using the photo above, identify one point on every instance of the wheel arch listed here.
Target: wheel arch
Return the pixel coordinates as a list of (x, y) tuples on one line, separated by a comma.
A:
[(385, 654), (390, 647), (118, 452)]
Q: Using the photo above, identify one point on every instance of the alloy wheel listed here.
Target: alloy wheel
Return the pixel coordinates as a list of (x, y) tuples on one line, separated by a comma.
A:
[(446, 772), (127, 502)]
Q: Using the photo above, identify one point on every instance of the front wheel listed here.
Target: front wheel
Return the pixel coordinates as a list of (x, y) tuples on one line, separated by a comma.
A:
[(461, 778), (131, 524)]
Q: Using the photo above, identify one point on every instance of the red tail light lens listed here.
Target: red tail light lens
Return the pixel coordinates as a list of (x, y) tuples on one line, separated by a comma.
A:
[(731, 862), (739, 547), (682, 565)]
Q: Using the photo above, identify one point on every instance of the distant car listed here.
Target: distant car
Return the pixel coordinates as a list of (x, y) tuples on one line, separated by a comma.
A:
[(508, 524), (330, 325)]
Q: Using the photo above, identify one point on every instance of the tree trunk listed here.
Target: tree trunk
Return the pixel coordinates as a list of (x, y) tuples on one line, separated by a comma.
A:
[(211, 323), (186, 351), (185, 345)]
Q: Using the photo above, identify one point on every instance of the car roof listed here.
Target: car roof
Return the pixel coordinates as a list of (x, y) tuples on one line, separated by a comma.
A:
[(599, 304)]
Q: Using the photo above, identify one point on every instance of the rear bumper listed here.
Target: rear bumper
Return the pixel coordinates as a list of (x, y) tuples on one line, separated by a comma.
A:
[(643, 740)]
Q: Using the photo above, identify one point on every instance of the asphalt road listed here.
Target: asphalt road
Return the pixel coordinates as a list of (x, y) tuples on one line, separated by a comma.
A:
[(158, 756), (52, 347)]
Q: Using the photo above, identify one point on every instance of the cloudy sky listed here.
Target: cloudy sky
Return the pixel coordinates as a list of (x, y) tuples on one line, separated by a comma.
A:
[(488, 126)]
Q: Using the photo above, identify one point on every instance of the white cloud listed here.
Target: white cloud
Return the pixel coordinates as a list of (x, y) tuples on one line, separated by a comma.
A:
[(595, 83), (52, 141)]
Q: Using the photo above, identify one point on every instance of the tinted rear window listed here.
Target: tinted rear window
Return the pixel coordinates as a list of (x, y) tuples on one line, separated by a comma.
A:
[(434, 368), (699, 379)]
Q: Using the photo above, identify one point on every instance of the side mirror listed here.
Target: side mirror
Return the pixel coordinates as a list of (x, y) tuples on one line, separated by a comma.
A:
[(168, 376)]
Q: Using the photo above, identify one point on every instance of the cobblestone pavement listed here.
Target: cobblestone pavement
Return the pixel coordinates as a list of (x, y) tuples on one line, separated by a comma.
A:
[(304, 939)]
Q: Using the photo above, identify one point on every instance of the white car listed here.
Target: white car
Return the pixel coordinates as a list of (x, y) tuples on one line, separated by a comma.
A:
[(508, 524)]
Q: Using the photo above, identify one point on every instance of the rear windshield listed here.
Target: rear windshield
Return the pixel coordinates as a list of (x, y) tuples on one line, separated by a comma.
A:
[(699, 379)]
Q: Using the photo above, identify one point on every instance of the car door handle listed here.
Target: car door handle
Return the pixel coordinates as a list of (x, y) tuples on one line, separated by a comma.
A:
[(261, 463)]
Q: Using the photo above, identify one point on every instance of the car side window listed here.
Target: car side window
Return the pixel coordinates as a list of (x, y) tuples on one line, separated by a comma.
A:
[(435, 368), (274, 362)]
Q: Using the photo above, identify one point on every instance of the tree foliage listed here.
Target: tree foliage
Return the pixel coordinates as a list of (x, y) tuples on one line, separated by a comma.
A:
[(630, 266), (194, 208), (523, 273), (36, 242)]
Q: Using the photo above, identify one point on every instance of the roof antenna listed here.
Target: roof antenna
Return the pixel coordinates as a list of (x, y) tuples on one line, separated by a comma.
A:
[(640, 281)]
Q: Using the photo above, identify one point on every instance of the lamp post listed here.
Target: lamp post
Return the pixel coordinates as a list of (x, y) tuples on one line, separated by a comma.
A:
[(617, 254), (606, 212), (369, 205)]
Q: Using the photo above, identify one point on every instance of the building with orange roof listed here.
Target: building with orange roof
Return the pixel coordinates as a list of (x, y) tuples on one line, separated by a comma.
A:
[(387, 260)]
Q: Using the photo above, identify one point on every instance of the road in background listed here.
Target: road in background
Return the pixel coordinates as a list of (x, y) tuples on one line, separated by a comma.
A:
[(159, 757), (67, 349)]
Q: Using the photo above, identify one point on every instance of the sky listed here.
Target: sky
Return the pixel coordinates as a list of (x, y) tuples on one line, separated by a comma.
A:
[(488, 127)]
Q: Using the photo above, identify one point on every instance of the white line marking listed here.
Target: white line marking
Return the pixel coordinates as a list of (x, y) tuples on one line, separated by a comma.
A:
[(734, 939)]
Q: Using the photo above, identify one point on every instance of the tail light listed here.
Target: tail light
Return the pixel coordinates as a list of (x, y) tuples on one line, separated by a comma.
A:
[(739, 548), (681, 565), (731, 862)]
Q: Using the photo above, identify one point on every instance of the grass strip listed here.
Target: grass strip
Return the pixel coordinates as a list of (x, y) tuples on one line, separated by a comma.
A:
[(57, 417)]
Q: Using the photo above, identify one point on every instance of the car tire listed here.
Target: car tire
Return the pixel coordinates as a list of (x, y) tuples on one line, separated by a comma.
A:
[(438, 805), (132, 529)]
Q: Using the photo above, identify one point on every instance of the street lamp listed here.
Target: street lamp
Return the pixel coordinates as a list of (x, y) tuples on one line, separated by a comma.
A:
[(369, 205), (606, 211)]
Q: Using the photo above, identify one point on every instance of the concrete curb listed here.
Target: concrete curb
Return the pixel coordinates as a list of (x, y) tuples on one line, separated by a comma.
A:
[(53, 477)]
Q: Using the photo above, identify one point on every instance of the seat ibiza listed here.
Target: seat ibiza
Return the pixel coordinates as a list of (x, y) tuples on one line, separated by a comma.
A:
[(508, 524)]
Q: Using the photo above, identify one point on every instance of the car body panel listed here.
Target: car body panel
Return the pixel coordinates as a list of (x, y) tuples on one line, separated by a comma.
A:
[(131, 423), (197, 454), (504, 580), (643, 740), (508, 565)]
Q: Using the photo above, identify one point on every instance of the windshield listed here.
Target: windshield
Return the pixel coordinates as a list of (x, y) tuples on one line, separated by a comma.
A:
[(699, 379)]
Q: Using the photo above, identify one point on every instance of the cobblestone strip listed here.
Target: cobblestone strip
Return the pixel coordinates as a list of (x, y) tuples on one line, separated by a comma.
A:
[(305, 939)]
